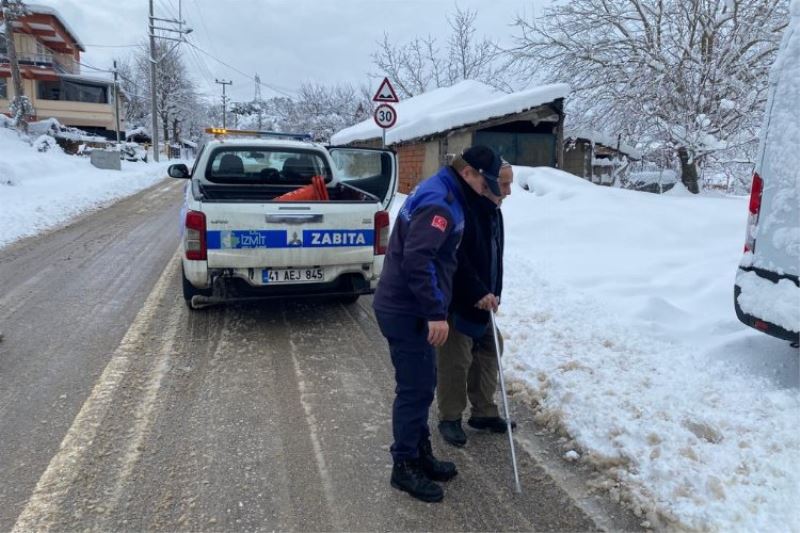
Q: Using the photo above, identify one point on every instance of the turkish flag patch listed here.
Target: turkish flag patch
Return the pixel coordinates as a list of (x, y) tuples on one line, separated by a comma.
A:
[(439, 222)]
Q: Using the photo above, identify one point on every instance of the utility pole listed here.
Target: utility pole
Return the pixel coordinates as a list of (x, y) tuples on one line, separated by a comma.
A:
[(257, 100), (116, 101), (10, 13), (154, 62), (224, 99), (153, 102)]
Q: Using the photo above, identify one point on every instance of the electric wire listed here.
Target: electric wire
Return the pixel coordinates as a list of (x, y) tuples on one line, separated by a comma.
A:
[(248, 76)]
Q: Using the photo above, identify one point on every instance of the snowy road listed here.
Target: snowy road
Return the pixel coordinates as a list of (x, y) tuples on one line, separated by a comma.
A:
[(122, 410)]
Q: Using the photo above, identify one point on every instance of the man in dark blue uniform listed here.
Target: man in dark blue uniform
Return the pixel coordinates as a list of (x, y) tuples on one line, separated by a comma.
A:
[(411, 304)]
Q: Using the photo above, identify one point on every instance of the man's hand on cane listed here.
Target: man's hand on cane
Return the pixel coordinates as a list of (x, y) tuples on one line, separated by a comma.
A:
[(489, 302)]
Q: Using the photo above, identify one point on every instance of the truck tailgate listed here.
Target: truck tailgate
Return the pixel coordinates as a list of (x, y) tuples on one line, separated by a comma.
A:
[(250, 235)]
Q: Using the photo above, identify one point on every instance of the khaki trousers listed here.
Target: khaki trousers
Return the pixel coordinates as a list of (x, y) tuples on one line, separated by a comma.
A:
[(467, 369)]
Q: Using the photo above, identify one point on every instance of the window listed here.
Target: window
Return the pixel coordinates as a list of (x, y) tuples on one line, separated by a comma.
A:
[(84, 92), (3, 88), (3, 47), (48, 90), (265, 166), (72, 91), (370, 171)]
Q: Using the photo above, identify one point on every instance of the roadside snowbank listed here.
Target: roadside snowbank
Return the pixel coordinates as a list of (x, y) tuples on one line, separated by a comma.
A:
[(619, 320), (42, 190)]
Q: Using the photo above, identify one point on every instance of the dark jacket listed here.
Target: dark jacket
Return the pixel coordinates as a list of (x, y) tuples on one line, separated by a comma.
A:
[(483, 240), (417, 274)]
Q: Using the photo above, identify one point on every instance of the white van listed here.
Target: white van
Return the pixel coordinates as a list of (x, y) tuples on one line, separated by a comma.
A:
[(767, 291)]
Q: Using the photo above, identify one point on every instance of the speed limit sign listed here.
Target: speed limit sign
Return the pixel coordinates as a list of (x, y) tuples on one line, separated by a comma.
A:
[(385, 116)]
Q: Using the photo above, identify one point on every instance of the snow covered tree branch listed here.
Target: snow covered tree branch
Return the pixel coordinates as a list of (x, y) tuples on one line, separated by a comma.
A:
[(690, 75)]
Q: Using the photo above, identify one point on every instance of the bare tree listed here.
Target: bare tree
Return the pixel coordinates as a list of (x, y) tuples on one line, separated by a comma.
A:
[(137, 110), (686, 74), (470, 57), (322, 110), (421, 64), (175, 92), (20, 107)]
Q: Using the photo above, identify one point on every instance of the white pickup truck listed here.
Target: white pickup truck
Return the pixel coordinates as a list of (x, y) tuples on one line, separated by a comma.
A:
[(269, 217)]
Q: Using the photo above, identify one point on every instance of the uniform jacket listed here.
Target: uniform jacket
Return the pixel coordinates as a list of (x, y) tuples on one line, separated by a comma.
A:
[(420, 260)]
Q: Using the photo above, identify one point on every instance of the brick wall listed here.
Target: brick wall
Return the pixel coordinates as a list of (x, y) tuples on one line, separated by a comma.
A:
[(410, 162)]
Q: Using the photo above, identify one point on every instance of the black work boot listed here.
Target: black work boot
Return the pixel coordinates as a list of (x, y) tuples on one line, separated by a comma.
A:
[(435, 469), (409, 477), (452, 432), (495, 424)]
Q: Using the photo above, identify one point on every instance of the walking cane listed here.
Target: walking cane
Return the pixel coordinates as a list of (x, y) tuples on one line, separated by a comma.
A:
[(517, 487)]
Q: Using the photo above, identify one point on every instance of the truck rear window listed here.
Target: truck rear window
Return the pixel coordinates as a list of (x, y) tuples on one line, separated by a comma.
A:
[(265, 166)]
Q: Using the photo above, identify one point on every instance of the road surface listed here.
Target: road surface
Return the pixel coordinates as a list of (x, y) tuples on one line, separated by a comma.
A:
[(120, 409)]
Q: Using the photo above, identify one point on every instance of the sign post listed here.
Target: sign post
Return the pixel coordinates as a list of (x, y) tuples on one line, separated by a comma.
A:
[(385, 115)]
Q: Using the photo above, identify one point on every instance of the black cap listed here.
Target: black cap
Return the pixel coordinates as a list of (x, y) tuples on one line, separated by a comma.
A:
[(487, 162)]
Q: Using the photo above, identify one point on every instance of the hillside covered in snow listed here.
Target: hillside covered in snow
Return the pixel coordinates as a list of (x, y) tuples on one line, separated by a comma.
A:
[(43, 190)]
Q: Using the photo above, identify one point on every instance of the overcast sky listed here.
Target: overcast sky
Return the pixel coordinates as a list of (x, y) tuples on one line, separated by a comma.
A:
[(286, 42)]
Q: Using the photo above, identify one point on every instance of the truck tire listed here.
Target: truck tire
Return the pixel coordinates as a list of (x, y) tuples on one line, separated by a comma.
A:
[(190, 290)]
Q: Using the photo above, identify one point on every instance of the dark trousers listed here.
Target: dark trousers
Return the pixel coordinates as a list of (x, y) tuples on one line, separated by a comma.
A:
[(414, 363), (467, 368)]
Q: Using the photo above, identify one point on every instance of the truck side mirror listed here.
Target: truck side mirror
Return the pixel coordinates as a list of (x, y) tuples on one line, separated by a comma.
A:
[(179, 171)]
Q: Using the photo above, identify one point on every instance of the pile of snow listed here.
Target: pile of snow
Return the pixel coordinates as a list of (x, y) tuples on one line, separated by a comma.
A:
[(620, 327), (466, 102), (51, 126), (43, 189), (137, 131), (647, 177)]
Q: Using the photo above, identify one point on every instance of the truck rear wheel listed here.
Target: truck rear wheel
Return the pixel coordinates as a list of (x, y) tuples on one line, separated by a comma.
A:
[(190, 290)]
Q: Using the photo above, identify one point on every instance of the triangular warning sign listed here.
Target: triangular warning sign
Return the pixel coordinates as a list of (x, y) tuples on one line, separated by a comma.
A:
[(385, 93)]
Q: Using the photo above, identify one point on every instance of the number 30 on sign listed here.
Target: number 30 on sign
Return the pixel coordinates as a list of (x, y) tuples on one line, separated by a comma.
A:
[(385, 116)]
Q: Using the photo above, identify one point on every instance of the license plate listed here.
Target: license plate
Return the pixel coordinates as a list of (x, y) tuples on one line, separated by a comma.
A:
[(292, 275)]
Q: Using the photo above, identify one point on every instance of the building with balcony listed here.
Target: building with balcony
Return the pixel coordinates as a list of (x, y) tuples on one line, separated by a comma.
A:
[(49, 55)]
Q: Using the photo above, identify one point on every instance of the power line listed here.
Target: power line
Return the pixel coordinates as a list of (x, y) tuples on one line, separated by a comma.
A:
[(94, 68), (168, 8), (199, 59), (249, 77), (113, 45), (205, 27), (202, 68)]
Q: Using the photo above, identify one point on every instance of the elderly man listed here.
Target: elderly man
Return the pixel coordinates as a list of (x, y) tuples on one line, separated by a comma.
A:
[(467, 364)]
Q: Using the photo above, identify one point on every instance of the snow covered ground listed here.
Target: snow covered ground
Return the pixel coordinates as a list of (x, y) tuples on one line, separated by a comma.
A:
[(39, 191), (618, 312)]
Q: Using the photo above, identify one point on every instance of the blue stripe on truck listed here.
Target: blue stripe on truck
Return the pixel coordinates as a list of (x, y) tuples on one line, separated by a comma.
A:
[(255, 239)]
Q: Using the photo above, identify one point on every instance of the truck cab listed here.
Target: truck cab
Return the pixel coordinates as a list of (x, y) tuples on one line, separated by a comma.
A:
[(276, 216)]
